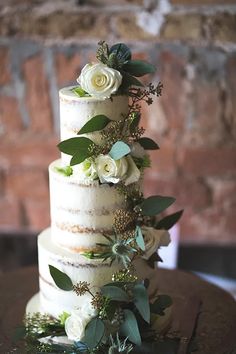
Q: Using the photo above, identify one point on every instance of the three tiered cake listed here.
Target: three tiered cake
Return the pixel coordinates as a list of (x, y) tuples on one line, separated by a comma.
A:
[(91, 298)]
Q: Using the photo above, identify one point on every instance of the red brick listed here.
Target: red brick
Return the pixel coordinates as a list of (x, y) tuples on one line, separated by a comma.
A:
[(230, 225), (5, 76), (128, 29), (10, 216), (27, 184), (68, 68), (182, 27), (2, 183), (37, 95), (10, 119), (222, 27), (207, 127), (38, 213), (188, 192), (28, 151), (163, 160), (202, 2), (154, 119), (204, 161), (230, 112), (171, 69), (59, 24), (223, 191)]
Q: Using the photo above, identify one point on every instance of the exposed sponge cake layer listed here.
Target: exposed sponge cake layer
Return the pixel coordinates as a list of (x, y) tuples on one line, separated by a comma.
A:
[(54, 300), (75, 111), (81, 213)]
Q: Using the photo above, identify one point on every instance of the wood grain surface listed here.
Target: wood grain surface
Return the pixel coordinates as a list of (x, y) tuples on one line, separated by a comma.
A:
[(212, 309)]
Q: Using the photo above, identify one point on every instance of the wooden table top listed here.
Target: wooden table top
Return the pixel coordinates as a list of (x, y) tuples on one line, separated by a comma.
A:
[(215, 326)]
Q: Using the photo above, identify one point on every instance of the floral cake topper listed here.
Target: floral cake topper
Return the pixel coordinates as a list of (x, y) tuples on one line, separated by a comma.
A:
[(115, 72)]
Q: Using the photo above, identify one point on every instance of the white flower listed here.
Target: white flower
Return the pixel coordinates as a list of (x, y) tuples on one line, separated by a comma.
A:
[(133, 173), (137, 150), (87, 308), (75, 325), (99, 80), (154, 239), (109, 170), (86, 170)]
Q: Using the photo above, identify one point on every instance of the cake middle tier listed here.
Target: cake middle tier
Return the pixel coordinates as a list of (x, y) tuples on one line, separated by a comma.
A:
[(81, 213)]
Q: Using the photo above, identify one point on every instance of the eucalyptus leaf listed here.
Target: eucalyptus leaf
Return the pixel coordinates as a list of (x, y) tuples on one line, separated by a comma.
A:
[(73, 145), (119, 150), (94, 332), (141, 301), (168, 221), (121, 50), (139, 238), (61, 279), (129, 80), (96, 123), (155, 204), (161, 303), (148, 144), (81, 346), (115, 293), (129, 328), (138, 67)]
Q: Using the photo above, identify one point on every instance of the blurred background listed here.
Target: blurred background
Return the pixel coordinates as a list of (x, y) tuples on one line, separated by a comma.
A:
[(43, 46)]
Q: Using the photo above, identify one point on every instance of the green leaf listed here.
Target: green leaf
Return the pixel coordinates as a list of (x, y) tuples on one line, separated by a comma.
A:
[(73, 145), (138, 67), (121, 51), (161, 303), (170, 220), (129, 80), (141, 301), (79, 91), (66, 171), (155, 204), (129, 328), (94, 332), (148, 144), (118, 150), (96, 123), (79, 157), (115, 293), (139, 238), (61, 279)]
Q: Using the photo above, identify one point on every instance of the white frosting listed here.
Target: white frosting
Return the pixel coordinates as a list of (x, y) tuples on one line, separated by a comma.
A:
[(54, 300), (81, 213), (75, 111)]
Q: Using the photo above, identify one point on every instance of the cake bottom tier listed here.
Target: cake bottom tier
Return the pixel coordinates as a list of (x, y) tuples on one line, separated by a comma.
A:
[(54, 300)]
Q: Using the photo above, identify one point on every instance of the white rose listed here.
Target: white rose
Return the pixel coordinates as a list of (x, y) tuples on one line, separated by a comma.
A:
[(99, 80), (137, 150), (87, 170), (154, 239), (133, 173), (87, 308), (110, 170), (75, 325)]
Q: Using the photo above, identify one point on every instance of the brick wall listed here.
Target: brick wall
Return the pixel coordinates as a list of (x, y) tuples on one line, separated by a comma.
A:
[(44, 44)]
